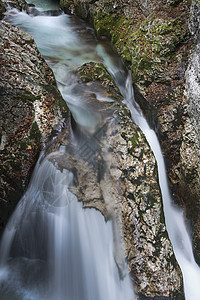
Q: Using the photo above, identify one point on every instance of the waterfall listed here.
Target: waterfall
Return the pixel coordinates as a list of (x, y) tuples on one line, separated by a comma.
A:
[(174, 218), (52, 248), (69, 250), (69, 258)]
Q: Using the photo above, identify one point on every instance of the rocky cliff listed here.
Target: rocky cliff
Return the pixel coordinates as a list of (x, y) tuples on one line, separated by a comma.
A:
[(155, 42)]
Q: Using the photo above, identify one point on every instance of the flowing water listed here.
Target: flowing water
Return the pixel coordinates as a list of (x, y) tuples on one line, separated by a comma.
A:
[(57, 249), (52, 248), (49, 233), (174, 218)]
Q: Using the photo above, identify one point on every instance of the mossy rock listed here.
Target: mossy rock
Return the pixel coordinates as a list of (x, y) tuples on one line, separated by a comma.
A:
[(94, 71), (104, 24), (146, 50), (145, 44), (97, 72), (66, 5)]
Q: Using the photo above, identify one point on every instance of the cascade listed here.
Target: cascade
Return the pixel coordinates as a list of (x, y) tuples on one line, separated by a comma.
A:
[(61, 245), (67, 252), (52, 248), (174, 218)]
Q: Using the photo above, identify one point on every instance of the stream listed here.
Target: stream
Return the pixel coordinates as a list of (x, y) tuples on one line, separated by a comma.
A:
[(49, 217)]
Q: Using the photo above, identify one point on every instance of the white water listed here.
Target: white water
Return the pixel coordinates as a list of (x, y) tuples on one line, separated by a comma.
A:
[(174, 218), (58, 250), (67, 45), (52, 248)]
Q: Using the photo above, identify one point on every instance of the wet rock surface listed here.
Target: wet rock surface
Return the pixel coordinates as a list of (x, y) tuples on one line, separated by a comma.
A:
[(115, 172), (31, 109), (190, 148), (154, 40), (19, 4)]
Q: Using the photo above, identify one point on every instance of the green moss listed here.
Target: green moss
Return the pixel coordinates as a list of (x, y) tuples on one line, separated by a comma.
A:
[(68, 6), (143, 50), (2, 10), (58, 100), (35, 134), (22, 144), (105, 25), (134, 141), (63, 108), (29, 41), (94, 71), (145, 62), (26, 97), (65, 4)]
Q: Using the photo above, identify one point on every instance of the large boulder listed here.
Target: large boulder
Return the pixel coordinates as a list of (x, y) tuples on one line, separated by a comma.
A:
[(115, 172), (31, 109)]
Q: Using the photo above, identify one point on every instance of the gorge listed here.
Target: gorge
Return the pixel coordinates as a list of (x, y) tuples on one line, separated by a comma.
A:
[(99, 156)]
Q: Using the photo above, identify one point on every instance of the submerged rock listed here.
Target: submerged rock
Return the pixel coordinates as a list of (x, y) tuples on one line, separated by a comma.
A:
[(115, 172), (31, 109)]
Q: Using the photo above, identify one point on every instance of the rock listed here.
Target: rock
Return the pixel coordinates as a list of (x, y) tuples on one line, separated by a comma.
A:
[(31, 110), (190, 148), (79, 7), (19, 4), (67, 6), (115, 172), (194, 19), (94, 73)]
